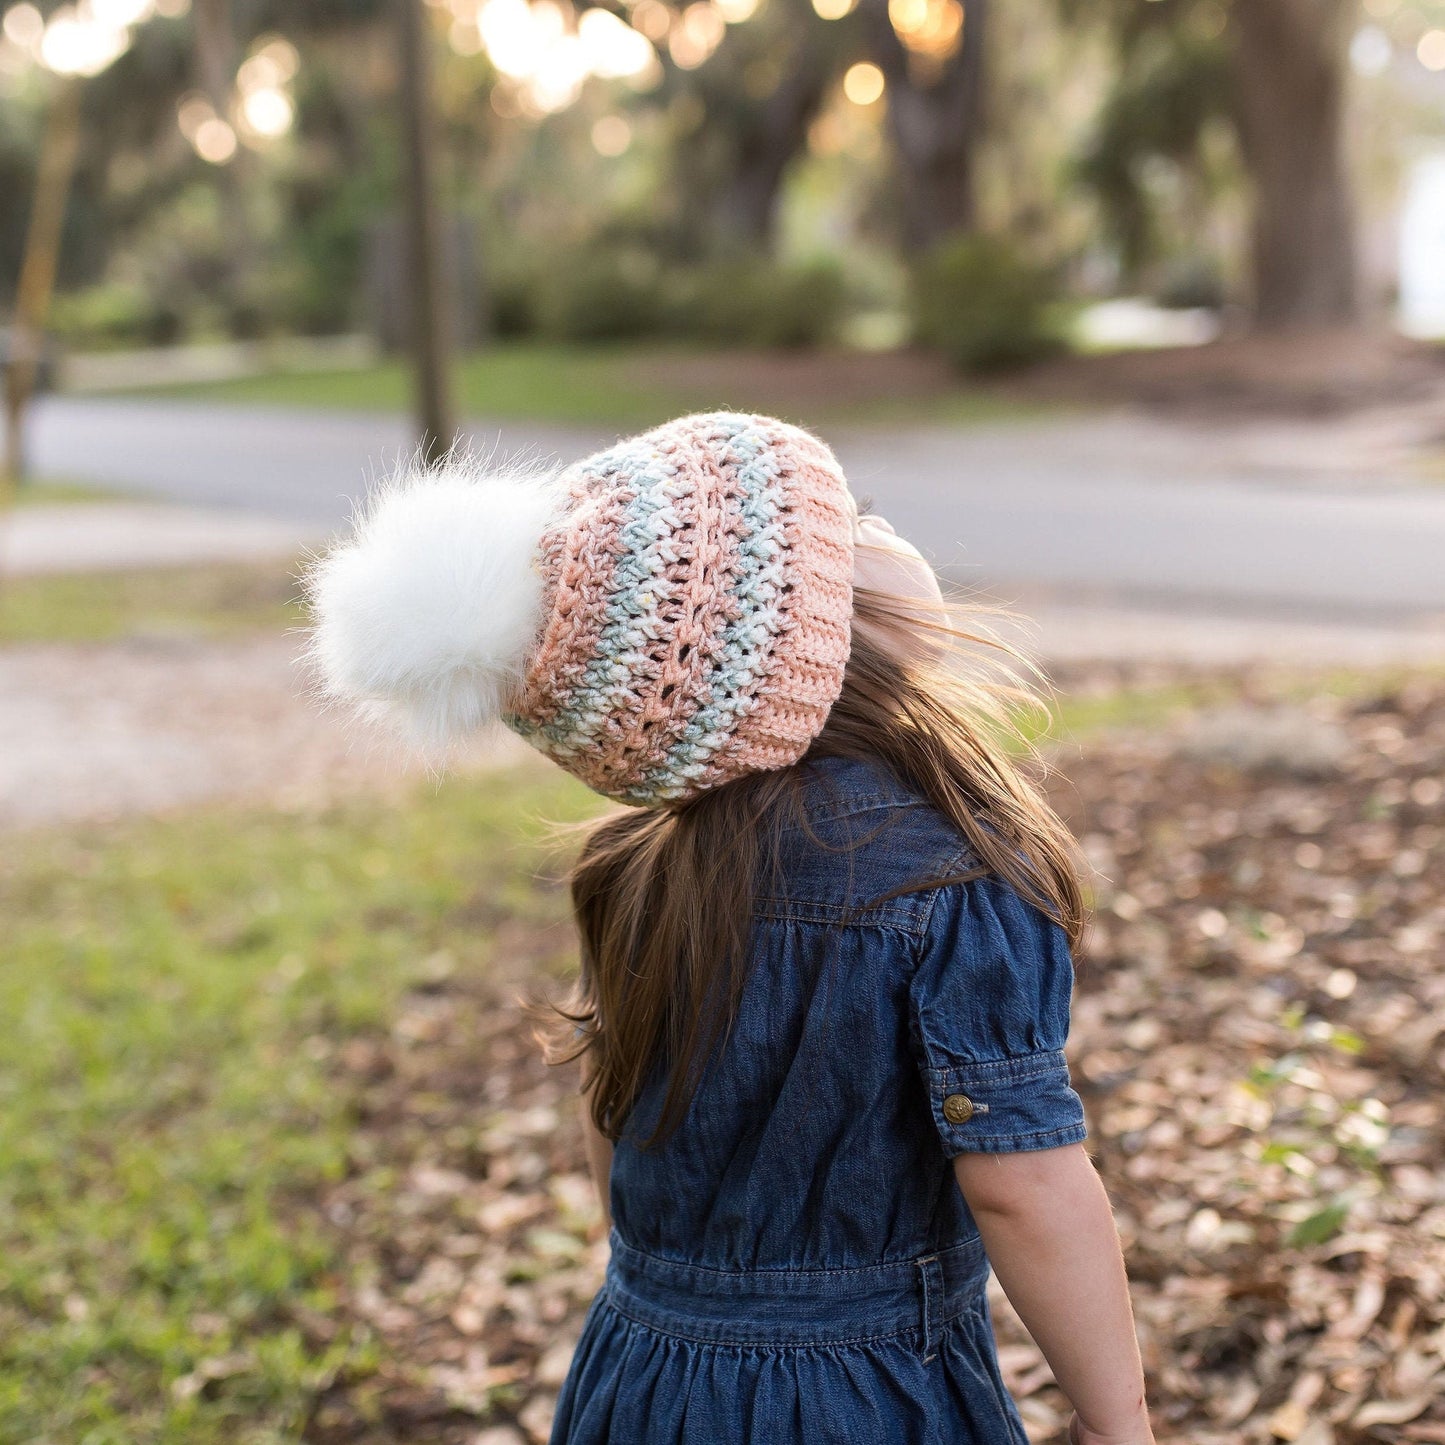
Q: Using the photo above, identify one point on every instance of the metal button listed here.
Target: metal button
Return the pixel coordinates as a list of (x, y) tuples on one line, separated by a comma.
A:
[(958, 1108)]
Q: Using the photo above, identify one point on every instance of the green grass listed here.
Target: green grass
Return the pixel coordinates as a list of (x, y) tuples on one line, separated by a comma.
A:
[(172, 991), (52, 491), (525, 382), (202, 601), (1429, 465), (1077, 718), (591, 385)]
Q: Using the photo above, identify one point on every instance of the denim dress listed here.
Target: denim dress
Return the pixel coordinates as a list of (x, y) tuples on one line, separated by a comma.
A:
[(797, 1263)]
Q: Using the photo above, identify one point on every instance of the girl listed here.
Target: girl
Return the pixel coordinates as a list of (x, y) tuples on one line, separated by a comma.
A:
[(825, 955)]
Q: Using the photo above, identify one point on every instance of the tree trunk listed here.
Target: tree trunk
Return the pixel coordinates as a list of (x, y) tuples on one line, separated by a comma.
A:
[(757, 99), (1288, 70), (53, 175), (765, 146), (216, 60), (425, 260), (935, 117)]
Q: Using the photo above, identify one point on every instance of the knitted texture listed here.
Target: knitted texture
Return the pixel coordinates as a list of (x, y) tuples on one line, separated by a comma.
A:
[(697, 601)]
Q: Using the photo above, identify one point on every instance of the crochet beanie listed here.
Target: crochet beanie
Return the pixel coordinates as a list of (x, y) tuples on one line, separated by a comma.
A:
[(666, 615)]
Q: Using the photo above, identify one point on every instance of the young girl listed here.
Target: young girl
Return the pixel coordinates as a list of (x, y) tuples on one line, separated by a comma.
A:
[(825, 955)]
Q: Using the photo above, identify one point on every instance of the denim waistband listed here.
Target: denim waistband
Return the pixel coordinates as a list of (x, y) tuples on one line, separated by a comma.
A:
[(797, 1306)]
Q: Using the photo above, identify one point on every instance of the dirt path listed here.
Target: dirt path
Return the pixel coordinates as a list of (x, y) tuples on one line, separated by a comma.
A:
[(68, 537), (100, 730)]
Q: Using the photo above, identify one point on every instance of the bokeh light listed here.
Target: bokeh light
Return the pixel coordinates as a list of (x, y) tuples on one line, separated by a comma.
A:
[(928, 27), (611, 135), (863, 83), (834, 9), (531, 44), (652, 18), (548, 59), (192, 113), (262, 110), (614, 50), (1370, 51), (261, 107), (120, 14), (1431, 50), (736, 11), (279, 55), (260, 72), (215, 141), (79, 39), (705, 23), (697, 35), (510, 36), (464, 37), (24, 26), (268, 113), (76, 43)]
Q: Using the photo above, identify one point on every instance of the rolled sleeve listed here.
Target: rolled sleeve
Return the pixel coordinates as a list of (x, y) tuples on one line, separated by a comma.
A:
[(990, 1005)]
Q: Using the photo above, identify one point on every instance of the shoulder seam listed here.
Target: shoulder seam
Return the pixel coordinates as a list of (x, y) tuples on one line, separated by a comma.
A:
[(826, 915), (954, 860), (872, 804)]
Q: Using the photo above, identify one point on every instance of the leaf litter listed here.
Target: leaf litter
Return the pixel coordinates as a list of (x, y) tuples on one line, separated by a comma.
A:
[(1258, 1037)]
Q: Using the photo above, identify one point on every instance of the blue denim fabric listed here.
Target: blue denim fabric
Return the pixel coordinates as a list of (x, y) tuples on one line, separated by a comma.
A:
[(797, 1264)]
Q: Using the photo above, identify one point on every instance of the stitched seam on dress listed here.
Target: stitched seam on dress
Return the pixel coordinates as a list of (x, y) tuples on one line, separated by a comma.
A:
[(676, 1334), (954, 859), (785, 910), (974, 1245), (1069, 1134), (865, 803), (1002, 1071)]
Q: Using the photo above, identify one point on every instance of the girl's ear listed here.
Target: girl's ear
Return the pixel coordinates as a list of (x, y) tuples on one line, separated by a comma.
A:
[(885, 564)]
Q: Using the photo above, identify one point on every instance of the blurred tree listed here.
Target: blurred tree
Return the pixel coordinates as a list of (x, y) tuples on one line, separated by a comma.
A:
[(740, 119), (934, 70), (1287, 63), (425, 255), (1162, 101), (217, 51), (1275, 70)]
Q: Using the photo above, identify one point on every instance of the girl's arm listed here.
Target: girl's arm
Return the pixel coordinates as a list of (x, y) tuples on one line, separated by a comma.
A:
[(599, 1158), (599, 1149), (1049, 1232)]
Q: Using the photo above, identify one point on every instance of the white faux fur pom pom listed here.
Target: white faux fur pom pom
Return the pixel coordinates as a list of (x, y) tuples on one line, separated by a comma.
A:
[(427, 614)]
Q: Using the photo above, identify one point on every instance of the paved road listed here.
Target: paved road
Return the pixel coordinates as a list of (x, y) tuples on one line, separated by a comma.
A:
[(1077, 512)]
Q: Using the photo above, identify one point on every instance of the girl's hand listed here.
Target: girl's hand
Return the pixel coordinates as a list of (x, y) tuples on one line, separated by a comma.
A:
[(1140, 1434), (1050, 1236)]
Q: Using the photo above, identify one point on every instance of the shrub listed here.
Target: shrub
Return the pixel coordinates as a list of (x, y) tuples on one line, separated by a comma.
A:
[(985, 306), (616, 292), (758, 303), (114, 314), (1188, 282), (510, 304), (598, 295)]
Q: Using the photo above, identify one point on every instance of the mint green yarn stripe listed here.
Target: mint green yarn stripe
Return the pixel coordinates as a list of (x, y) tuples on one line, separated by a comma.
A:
[(583, 712), (728, 698)]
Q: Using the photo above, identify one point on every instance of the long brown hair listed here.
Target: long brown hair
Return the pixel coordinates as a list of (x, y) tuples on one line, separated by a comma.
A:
[(663, 897)]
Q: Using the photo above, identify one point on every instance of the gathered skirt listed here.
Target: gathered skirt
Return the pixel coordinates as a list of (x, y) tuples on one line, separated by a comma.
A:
[(673, 1353)]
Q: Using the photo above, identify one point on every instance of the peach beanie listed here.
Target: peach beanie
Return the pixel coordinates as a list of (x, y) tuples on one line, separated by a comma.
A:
[(680, 616)]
